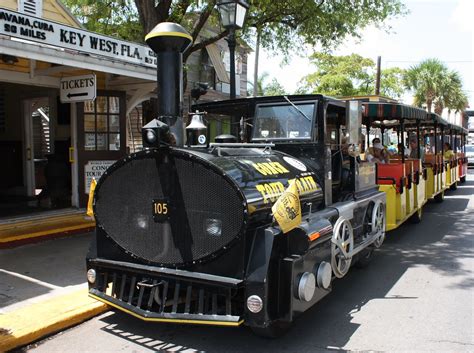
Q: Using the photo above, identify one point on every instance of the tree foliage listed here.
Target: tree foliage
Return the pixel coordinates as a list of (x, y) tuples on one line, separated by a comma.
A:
[(260, 85), (274, 88), (292, 24), (434, 85), (284, 25), (350, 75), (117, 18), (391, 82)]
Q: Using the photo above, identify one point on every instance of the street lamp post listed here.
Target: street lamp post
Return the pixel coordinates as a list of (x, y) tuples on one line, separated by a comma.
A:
[(232, 16), (231, 43)]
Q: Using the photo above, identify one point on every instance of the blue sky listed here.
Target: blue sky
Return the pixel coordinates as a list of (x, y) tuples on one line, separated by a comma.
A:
[(442, 29)]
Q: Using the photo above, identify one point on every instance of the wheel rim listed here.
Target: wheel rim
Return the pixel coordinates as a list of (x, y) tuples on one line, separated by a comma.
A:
[(378, 223), (341, 247)]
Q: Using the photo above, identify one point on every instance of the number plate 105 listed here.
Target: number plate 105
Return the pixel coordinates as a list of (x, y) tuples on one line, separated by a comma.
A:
[(160, 210)]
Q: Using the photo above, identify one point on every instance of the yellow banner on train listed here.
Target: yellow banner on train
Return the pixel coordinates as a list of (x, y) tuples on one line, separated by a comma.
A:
[(90, 211), (287, 209)]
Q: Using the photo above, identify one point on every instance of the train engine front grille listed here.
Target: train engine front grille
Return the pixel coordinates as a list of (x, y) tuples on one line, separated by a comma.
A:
[(201, 210), (162, 294)]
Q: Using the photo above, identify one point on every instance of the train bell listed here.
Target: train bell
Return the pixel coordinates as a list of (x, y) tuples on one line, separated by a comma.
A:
[(196, 132)]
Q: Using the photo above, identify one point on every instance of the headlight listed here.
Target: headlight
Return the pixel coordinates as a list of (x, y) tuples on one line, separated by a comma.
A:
[(306, 287), (254, 303), (213, 227), (91, 275), (150, 136)]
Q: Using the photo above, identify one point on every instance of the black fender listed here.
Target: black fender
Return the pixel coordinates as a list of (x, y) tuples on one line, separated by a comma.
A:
[(257, 281)]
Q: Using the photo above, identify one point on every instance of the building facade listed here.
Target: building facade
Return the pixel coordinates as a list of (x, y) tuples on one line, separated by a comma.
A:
[(52, 139)]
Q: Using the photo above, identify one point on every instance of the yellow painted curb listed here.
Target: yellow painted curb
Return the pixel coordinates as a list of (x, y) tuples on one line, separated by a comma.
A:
[(25, 222), (28, 324), (48, 232)]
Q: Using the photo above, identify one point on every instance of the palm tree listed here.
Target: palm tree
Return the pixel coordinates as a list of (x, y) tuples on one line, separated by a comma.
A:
[(260, 85), (458, 101), (452, 95), (426, 81)]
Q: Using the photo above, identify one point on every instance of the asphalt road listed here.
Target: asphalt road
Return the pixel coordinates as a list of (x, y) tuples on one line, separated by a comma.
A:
[(416, 295)]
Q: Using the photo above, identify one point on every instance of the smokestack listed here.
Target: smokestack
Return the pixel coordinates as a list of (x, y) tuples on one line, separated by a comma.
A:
[(169, 41)]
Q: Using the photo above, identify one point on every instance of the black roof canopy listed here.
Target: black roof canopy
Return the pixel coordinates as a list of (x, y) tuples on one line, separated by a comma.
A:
[(246, 106)]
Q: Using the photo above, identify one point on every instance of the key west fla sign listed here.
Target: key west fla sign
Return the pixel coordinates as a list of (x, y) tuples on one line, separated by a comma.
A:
[(18, 25)]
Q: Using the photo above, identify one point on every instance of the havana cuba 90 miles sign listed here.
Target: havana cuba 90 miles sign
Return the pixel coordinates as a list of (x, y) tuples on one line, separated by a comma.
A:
[(15, 24)]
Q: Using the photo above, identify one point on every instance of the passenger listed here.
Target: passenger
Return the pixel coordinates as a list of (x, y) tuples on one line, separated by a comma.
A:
[(392, 150), (448, 152), (403, 150), (414, 149), (377, 153)]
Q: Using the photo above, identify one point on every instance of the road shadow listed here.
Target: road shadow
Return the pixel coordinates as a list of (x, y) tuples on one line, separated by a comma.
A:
[(462, 190), (441, 242), (35, 269)]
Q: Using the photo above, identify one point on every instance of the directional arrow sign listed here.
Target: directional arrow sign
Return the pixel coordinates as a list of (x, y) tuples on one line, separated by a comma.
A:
[(78, 88)]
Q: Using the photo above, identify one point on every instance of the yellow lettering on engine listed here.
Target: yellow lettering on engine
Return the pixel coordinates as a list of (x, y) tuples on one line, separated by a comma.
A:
[(305, 185), (270, 191), (261, 190), (270, 168)]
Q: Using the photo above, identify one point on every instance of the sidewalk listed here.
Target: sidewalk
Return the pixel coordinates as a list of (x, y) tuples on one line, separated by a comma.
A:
[(43, 289), (23, 230)]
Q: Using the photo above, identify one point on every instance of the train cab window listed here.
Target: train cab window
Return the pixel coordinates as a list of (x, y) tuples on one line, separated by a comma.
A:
[(284, 122)]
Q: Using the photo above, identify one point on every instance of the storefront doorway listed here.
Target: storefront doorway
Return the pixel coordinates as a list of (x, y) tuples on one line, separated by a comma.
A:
[(34, 148)]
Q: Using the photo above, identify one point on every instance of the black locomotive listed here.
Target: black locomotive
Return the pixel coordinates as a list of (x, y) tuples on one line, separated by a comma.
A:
[(186, 234)]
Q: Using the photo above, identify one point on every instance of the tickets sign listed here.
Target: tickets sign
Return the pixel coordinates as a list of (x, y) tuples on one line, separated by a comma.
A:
[(78, 88)]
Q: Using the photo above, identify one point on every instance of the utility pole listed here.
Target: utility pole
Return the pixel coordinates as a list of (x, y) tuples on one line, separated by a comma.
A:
[(255, 71), (377, 80)]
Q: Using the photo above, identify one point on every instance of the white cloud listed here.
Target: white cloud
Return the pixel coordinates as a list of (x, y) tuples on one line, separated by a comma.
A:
[(462, 15)]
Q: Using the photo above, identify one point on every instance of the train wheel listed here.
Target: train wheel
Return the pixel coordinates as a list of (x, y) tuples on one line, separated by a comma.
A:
[(274, 330), (416, 217), (454, 186), (378, 223), (439, 197), (462, 179), (342, 244)]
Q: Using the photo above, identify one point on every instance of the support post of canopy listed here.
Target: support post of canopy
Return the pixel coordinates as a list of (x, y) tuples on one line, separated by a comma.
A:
[(442, 138), (418, 139), (367, 129), (453, 140), (402, 129)]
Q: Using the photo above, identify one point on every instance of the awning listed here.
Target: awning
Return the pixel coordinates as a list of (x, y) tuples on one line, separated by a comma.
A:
[(446, 124), (215, 56), (391, 111)]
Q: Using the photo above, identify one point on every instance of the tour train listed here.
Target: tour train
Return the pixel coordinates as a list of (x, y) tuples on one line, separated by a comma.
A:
[(190, 234)]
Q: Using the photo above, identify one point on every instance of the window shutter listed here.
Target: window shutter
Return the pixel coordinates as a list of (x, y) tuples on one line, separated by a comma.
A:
[(31, 7)]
